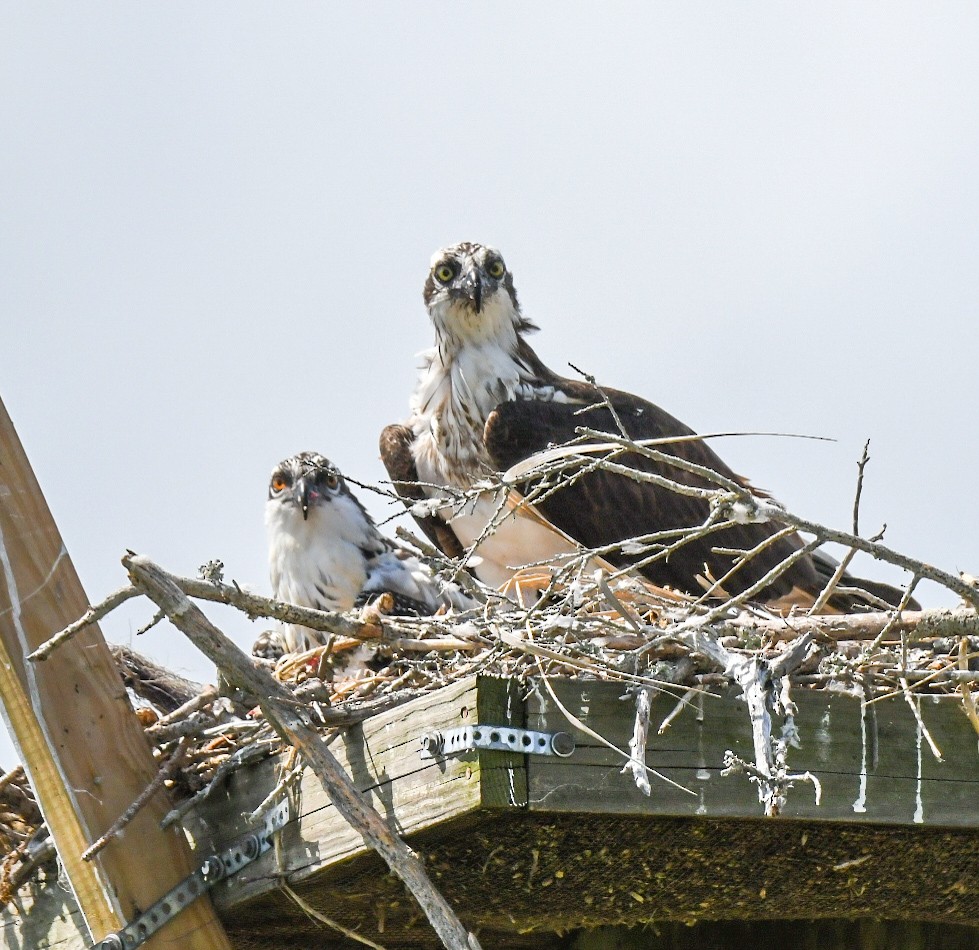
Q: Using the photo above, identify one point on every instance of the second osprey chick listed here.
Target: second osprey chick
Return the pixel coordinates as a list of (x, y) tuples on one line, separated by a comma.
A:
[(326, 552)]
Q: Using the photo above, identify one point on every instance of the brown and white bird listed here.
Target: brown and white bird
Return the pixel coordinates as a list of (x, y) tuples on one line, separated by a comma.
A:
[(326, 552), (485, 402)]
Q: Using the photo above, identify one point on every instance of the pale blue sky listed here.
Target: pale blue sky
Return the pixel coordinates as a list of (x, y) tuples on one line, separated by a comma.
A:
[(215, 222)]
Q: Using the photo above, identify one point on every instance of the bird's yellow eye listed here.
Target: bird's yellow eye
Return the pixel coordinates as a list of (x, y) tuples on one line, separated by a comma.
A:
[(444, 273), (496, 269), (278, 482)]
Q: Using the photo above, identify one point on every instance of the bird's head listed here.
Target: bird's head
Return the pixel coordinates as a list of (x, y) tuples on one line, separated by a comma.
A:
[(470, 296), (304, 482)]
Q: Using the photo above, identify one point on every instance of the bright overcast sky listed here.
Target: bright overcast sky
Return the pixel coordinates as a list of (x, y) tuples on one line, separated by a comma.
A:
[(216, 219)]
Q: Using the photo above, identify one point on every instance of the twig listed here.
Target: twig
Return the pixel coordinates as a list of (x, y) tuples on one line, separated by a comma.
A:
[(637, 744), (578, 724), (968, 700), (327, 621), (935, 751), (538, 651), (605, 402), (242, 756), (207, 695), (92, 615), (167, 772), (896, 616), (617, 604), (442, 644), (922, 624), (827, 591), (684, 701), (16, 774), (293, 773), (151, 623), (323, 919)]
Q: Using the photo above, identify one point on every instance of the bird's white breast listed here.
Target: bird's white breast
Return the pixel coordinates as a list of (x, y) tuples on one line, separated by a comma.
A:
[(458, 391), (518, 540), (316, 562)]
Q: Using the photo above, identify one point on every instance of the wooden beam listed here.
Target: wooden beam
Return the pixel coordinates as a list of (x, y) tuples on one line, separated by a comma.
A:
[(869, 770), (82, 746), (382, 757), (872, 763)]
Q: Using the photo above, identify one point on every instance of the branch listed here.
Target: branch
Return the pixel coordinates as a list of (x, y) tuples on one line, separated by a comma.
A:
[(253, 605), (92, 615), (920, 624), (279, 707)]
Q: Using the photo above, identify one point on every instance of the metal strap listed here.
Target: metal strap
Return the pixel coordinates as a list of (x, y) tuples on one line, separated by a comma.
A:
[(215, 868), (505, 738)]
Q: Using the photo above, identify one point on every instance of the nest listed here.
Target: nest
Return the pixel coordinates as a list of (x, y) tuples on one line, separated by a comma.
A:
[(590, 627), (582, 619)]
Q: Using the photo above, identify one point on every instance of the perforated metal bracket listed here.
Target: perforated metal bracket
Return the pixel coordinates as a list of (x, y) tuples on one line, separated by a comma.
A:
[(213, 869), (505, 738)]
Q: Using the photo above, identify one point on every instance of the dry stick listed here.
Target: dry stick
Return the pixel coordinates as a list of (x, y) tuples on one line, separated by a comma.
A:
[(935, 751), (314, 914), (130, 813), (92, 615), (14, 775), (767, 510), (763, 582), (896, 616), (536, 650), (604, 397), (254, 751), (279, 706), (684, 701), (617, 605), (437, 644), (637, 744), (968, 700), (672, 461), (882, 553), (922, 677), (923, 624), (827, 591), (35, 854), (207, 695), (253, 605), (743, 559), (578, 724), (713, 523)]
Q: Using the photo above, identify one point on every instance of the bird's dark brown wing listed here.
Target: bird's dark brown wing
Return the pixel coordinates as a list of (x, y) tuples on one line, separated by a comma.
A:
[(395, 446), (602, 507)]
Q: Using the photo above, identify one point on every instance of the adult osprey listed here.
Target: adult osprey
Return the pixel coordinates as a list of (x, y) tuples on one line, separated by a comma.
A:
[(326, 552), (486, 402)]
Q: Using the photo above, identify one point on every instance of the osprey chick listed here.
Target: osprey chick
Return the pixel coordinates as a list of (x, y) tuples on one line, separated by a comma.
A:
[(486, 402), (326, 552)]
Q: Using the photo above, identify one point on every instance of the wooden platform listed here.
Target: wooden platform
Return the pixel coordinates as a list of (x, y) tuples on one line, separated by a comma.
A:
[(527, 846)]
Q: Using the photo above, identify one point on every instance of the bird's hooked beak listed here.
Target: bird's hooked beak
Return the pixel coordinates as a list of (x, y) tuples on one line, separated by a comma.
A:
[(472, 287), (302, 493)]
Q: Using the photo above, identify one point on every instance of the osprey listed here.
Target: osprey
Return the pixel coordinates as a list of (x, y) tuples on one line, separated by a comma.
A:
[(485, 403), (326, 552)]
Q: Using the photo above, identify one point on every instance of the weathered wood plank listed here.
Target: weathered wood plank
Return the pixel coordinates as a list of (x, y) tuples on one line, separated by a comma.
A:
[(415, 794), (511, 869), (80, 742), (866, 758), (382, 757)]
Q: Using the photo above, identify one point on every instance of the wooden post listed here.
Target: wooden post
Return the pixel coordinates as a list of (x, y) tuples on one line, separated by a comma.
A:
[(82, 746)]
